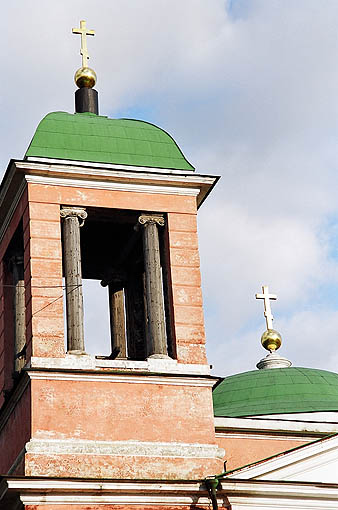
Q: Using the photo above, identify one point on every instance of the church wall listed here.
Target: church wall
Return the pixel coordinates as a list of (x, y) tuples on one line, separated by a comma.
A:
[(186, 284), (74, 409), (114, 422), (6, 304), (120, 410), (19, 213), (19, 421), (242, 450), (43, 280), (50, 194), (45, 259)]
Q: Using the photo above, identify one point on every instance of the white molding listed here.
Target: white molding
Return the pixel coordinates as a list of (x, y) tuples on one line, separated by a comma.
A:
[(112, 186), (53, 491), (130, 448), (239, 494), (151, 365), (113, 166), (277, 496), (126, 486), (250, 435), (116, 499), (269, 425), (316, 416), (117, 172), (122, 378), (294, 463)]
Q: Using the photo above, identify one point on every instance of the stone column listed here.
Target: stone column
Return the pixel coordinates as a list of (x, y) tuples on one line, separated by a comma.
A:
[(73, 219), (19, 309), (157, 343)]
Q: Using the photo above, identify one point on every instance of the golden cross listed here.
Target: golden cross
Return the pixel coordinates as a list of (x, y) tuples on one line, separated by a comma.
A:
[(267, 308), (84, 32)]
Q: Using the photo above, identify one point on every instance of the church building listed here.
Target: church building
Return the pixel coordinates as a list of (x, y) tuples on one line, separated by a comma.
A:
[(146, 427)]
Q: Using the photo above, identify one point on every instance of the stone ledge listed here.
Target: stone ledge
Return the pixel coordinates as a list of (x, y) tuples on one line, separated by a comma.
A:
[(152, 365), (123, 448)]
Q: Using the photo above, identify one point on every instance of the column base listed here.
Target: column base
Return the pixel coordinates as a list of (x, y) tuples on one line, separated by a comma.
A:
[(78, 352)]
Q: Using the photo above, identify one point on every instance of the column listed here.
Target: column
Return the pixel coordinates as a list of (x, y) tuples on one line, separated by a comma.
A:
[(73, 219), (19, 309), (117, 323), (135, 317), (157, 343)]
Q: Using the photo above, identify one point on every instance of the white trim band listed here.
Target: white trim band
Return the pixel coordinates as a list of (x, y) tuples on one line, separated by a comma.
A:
[(122, 378), (111, 185), (157, 365), (123, 448), (261, 425)]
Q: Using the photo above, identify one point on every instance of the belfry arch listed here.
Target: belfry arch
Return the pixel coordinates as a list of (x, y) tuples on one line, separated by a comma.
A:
[(127, 251)]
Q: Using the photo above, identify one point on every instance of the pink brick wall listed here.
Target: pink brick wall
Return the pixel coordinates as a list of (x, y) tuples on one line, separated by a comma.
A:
[(43, 279)]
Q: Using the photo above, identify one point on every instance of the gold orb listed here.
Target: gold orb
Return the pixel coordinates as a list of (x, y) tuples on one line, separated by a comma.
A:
[(271, 340), (85, 77)]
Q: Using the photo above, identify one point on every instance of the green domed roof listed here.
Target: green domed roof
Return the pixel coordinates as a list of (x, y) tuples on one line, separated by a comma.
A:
[(276, 391), (93, 138)]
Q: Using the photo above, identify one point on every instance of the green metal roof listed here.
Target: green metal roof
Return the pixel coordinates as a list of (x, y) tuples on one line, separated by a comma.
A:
[(276, 391), (93, 138)]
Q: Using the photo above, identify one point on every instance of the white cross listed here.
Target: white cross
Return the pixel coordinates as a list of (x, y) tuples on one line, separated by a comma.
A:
[(267, 308)]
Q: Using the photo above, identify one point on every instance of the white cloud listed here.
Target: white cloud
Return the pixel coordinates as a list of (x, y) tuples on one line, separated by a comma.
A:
[(250, 94)]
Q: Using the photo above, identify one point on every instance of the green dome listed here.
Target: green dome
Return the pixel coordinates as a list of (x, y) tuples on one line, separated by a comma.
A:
[(93, 138), (276, 391)]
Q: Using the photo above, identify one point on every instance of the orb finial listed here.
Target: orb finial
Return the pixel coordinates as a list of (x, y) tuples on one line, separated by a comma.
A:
[(271, 339), (85, 76)]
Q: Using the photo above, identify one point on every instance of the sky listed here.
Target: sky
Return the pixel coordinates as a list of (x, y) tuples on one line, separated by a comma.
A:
[(248, 89)]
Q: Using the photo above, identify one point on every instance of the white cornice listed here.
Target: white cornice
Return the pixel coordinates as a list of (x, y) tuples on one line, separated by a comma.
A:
[(279, 496), (112, 186), (46, 491), (260, 425), (132, 174), (265, 436), (112, 166), (121, 378), (240, 494)]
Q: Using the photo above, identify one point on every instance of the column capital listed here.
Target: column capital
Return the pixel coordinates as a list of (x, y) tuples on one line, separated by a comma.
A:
[(146, 219), (74, 212)]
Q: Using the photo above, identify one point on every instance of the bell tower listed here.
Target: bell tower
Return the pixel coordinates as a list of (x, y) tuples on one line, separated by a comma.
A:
[(113, 200)]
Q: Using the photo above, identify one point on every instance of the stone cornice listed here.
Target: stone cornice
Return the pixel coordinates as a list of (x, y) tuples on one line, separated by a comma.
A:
[(118, 177), (248, 494), (124, 377)]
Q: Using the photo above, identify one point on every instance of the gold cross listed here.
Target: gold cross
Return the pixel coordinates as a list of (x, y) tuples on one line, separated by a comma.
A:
[(84, 32), (267, 308)]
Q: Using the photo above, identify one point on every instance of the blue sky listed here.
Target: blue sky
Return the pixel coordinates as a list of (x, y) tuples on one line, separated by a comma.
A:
[(248, 89)]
